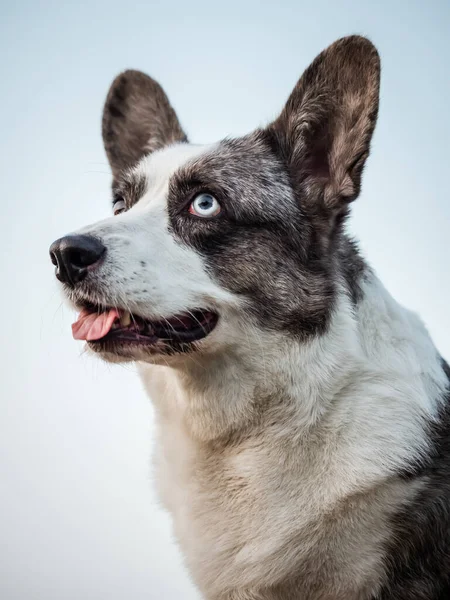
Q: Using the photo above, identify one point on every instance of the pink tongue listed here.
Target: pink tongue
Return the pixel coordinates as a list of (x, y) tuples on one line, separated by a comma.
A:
[(93, 326)]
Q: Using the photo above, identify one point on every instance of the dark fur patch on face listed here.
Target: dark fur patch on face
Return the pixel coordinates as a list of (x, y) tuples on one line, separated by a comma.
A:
[(419, 555), (262, 246)]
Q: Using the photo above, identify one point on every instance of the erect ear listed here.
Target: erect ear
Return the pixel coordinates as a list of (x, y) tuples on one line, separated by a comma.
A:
[(137, 119), (324, 131)]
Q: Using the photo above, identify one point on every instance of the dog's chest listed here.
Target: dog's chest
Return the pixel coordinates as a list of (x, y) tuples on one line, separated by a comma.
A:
[(256, 517)]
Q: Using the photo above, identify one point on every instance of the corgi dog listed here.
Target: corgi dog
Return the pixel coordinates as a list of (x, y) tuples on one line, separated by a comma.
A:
[(303, 415)]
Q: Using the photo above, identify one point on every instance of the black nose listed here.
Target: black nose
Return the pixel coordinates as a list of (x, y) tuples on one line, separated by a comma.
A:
[(73, 254)]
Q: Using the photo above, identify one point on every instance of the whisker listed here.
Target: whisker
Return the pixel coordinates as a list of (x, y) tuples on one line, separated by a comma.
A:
[(199, 323)]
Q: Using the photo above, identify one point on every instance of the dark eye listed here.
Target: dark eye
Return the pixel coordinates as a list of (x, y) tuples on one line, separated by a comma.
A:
[(204, 205), (119, 206)]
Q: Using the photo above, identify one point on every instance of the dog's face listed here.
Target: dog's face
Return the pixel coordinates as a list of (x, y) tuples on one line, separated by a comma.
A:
[(209, 243)]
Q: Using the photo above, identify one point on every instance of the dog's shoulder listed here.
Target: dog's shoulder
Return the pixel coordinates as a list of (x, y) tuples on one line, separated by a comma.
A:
[(419, 555)]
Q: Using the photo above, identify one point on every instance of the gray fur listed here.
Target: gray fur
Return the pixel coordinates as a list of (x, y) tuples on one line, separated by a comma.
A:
[(137, 118)]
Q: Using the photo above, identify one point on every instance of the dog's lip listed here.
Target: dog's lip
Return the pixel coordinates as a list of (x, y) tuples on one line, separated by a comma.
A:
[(129, 328), (189, 329)]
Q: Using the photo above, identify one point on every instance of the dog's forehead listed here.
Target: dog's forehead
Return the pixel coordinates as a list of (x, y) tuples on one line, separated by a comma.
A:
[(157, 168)]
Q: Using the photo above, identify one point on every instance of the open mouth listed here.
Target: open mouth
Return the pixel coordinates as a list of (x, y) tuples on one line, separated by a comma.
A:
[(118, 326)]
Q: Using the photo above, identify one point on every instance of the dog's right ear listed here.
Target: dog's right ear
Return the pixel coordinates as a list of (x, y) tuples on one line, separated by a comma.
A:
[(137, 119)]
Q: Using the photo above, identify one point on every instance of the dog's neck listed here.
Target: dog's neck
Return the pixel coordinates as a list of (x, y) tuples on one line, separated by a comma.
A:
[(234, 389), (375, 358)]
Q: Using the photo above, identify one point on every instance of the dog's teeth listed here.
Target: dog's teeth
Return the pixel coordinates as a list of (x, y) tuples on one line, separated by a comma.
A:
[(125, 319)]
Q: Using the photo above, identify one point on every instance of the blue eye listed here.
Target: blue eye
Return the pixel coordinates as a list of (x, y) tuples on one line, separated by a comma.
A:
[(204, 205)]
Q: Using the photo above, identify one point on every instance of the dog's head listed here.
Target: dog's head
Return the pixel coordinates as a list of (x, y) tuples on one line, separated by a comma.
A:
[(208, 242)]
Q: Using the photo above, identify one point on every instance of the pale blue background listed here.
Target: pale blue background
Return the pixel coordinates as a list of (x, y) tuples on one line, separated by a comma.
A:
[(78, 516)]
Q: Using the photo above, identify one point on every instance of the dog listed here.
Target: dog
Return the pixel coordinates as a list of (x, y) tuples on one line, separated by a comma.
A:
[(303, 415)]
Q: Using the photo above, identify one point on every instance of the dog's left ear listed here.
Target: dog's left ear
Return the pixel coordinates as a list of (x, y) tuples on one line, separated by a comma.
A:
[(137, 119), (323, 133)]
